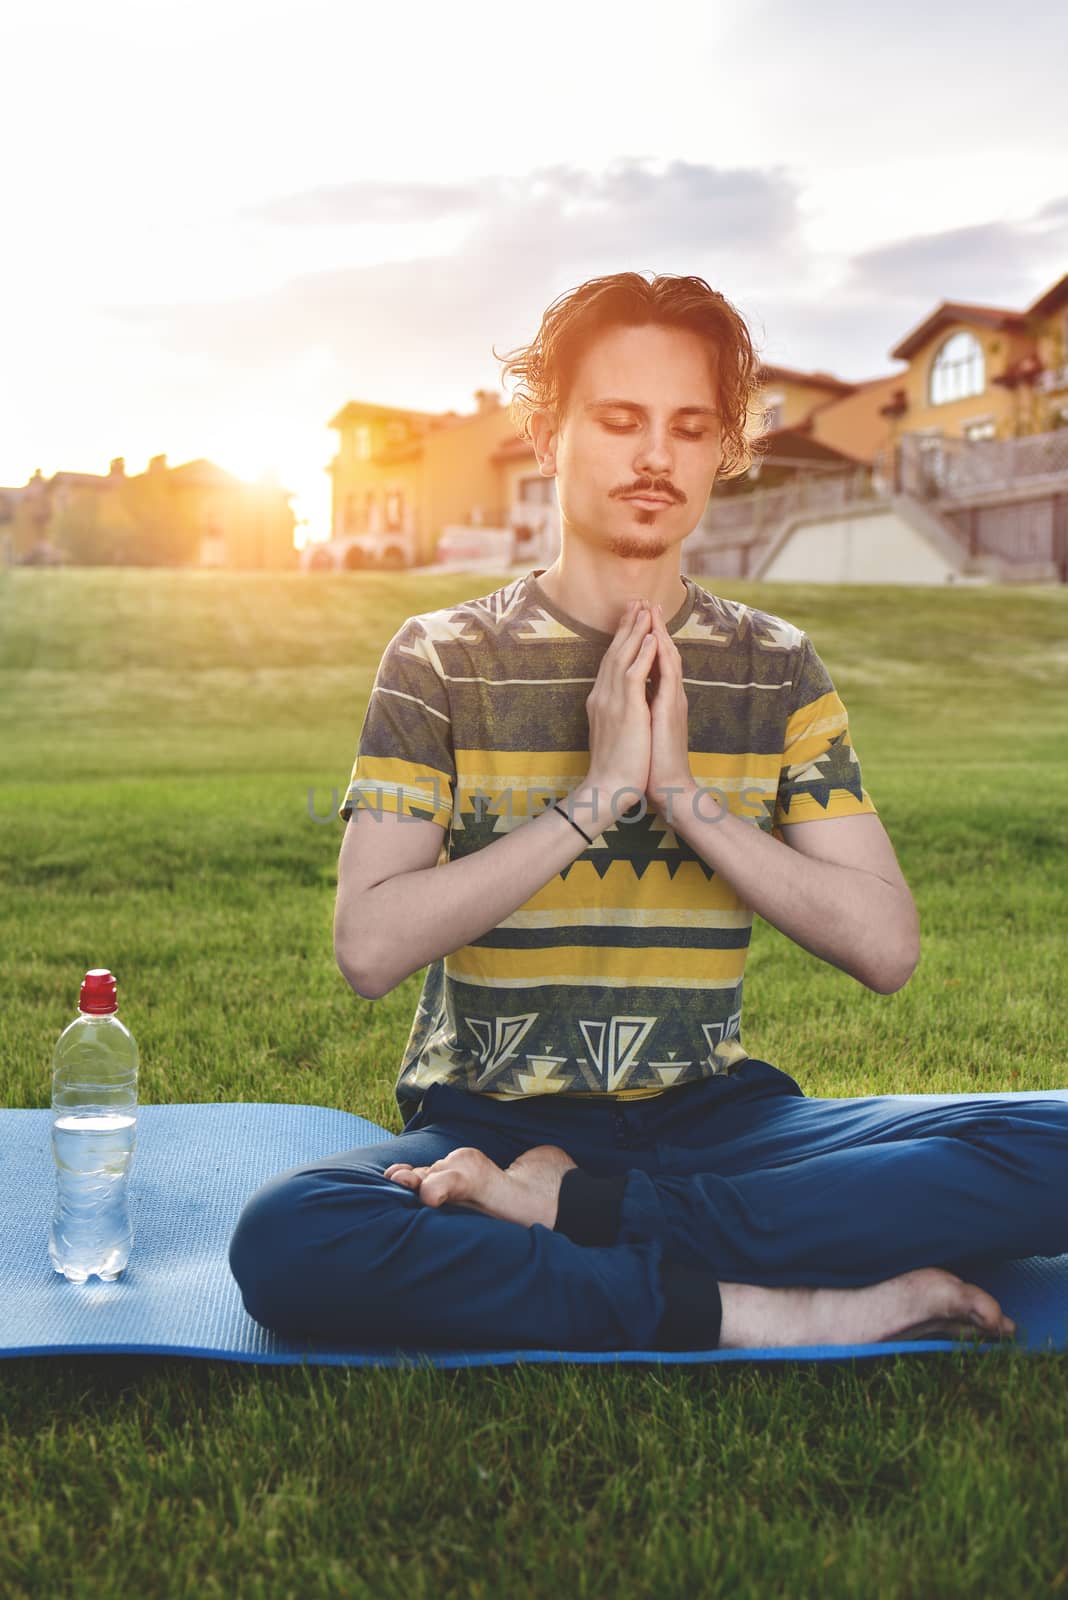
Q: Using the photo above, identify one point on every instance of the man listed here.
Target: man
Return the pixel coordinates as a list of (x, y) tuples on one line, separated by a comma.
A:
[(590, 1158)]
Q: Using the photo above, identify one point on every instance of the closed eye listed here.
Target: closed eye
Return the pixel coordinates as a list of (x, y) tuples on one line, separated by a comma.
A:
[(625, 427)]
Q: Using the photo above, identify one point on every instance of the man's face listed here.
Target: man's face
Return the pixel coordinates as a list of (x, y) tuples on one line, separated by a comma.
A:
[(605, 452)]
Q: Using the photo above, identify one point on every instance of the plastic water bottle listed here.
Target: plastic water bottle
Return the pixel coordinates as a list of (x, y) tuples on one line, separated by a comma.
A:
[(94, 1128)]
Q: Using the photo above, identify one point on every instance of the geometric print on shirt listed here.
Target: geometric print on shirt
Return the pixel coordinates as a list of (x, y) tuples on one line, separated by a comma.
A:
[(622, 976)]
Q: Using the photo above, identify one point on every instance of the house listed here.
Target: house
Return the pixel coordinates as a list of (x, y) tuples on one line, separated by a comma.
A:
[(954, 469), (193, 515), (401, 478)]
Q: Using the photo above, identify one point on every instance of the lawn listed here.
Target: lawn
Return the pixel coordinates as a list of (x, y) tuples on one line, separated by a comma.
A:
[(174, 746)]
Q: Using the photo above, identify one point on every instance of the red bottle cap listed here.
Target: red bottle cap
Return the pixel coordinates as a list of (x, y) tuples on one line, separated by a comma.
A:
[(98, 992)]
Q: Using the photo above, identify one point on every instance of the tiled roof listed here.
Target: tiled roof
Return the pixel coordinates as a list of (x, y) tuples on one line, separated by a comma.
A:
[(80, 480), (954, 311), (822, 380), (1051, 298), (354, 410)]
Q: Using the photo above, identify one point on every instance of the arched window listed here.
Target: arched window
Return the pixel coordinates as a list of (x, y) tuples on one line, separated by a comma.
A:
[(957, 370)]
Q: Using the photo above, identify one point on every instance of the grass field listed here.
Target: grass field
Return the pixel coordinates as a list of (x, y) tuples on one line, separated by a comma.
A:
[(164, 738)]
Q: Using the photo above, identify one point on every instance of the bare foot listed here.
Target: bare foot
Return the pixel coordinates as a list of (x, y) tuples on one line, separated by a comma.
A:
[(925, 1304), (526, 1192)]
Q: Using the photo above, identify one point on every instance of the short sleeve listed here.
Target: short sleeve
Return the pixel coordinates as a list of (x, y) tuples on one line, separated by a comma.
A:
[(405, 762), (819, 774)]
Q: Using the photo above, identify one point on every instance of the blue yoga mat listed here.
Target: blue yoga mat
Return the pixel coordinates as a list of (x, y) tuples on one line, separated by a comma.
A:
[(193, 1169)]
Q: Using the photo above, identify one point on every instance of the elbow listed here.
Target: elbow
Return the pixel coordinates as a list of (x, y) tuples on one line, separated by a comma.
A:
[(360, 979), (890, 982), (895, 973)]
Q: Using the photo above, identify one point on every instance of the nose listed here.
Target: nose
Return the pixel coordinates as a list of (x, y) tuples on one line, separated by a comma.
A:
[(652, 456)]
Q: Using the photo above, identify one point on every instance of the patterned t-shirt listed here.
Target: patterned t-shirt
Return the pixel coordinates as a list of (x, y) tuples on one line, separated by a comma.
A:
[(622, 975)]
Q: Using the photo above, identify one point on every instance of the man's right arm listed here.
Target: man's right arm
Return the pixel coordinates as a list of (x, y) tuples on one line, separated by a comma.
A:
[(397, 911)]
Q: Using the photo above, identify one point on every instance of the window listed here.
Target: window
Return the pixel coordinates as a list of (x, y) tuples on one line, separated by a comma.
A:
[(362, 443), (957, 370), (395, 510)]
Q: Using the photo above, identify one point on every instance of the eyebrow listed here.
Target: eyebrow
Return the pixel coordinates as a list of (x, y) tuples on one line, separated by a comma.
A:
[(632, 405)]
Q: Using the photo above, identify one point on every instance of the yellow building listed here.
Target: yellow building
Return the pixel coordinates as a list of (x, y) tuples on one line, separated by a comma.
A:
[(982, 372), (401, 477), (959, 462), (241, 525), (973, 372), (193, 515), (985, 372)]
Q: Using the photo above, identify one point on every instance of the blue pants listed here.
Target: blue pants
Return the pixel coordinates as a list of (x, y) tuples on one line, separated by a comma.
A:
[(739, 1178)]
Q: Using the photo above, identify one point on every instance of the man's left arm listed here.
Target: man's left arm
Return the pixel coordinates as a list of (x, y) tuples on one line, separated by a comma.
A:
[(830, 881), (833, 885)]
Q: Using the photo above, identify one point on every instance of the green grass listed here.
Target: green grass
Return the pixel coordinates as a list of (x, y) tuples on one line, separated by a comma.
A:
[(160, 734)]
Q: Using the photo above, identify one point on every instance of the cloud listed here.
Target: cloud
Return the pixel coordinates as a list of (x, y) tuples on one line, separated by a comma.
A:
[(428, 324), (528, 239), (684, 204), (1055, 209), (986, 263)]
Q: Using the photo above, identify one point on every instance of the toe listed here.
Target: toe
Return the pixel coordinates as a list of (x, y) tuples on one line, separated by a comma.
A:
[(445, 1187), (985, 1312)]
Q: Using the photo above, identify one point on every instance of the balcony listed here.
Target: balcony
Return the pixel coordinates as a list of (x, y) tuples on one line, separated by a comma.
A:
[(965, 470), (1052, 379)]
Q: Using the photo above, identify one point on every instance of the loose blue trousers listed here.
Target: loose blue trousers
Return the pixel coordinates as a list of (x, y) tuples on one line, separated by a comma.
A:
[(740, 1178)]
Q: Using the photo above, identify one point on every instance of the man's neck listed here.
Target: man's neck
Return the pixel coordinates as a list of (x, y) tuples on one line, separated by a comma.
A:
[(599, 600)]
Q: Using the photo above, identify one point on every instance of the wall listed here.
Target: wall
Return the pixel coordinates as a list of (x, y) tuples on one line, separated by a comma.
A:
[(873, 549)]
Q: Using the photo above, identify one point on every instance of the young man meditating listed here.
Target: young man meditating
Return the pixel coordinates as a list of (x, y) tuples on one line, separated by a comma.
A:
[(590, 1158)]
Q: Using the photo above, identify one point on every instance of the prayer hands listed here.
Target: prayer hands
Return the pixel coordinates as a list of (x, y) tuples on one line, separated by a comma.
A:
[(669, 760)]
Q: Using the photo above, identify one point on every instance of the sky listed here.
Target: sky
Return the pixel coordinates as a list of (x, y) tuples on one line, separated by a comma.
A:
[(223, 221)]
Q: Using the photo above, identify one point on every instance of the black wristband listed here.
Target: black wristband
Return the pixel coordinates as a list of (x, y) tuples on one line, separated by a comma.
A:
[(556, 806)]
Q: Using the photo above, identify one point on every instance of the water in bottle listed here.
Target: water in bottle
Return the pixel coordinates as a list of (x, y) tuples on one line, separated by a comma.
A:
[(94, 1128)]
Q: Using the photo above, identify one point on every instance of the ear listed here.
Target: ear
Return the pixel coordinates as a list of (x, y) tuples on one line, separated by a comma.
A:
[(543, 438)]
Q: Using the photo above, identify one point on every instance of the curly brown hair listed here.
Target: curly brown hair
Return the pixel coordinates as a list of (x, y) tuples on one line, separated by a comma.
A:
[(546, 368)]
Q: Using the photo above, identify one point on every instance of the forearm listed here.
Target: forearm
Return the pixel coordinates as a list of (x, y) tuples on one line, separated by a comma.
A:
[(849, 918), (415, 917)]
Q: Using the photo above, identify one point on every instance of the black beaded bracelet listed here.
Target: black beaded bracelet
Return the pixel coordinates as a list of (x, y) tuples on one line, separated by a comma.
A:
[(556, 806)]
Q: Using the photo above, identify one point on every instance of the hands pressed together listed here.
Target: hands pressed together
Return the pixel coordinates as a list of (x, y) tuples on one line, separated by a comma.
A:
[(637, 742)]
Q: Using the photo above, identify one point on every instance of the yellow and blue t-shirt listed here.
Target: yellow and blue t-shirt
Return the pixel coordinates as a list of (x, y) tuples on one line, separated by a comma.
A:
[(621, 976)]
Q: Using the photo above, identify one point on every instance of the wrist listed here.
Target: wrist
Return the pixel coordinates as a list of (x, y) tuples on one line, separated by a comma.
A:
[(590, 803), (579, 831), (672, 799)]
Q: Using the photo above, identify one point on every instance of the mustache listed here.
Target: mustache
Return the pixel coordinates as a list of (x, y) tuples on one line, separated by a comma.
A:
[(666, 490)]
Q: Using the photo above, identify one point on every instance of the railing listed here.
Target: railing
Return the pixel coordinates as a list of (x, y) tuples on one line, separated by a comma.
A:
[(936, 468), (734, 560), (741, 518), (1027, 522), (1025, 533)]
